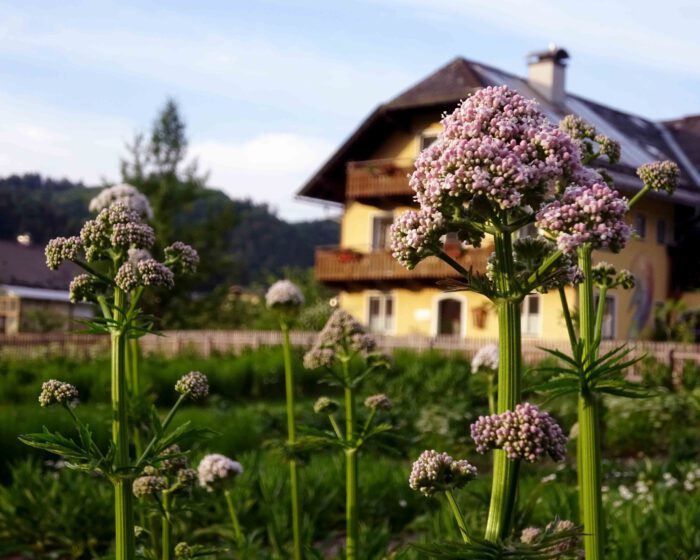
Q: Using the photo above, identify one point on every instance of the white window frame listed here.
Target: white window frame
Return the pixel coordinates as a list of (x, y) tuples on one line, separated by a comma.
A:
[(368, 308), (435, 319), (537, 331), (378, 216), (429, 133)]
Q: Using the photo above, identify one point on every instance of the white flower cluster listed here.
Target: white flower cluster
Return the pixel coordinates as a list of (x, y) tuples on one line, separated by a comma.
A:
[(193, 383), (126, 194), (217, 468), (486, 357), (284, 294)]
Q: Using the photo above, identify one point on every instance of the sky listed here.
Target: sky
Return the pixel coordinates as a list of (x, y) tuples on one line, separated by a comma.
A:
[(270, 88)]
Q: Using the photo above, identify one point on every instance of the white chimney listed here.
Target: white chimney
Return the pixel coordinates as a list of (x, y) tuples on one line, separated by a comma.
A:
[(24, 239), (547, 72)]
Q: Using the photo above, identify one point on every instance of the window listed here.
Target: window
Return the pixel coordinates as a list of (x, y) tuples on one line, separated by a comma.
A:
[(640, 225), (531, 315), (661, 231), (380, 232), (449, 317), (381, 313), (426, 139), (609, 315)]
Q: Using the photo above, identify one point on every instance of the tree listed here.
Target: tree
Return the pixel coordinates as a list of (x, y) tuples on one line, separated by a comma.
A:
[(183, 207)]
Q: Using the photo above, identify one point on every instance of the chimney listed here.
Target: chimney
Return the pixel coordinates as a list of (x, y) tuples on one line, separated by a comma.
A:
[(546, 73)]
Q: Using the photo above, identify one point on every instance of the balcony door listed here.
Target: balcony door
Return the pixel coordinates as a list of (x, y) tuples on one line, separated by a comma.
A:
[(450, 316), (381, 313)]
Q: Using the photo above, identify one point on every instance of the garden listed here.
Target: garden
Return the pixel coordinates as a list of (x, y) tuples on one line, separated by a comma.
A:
[(341, 450)]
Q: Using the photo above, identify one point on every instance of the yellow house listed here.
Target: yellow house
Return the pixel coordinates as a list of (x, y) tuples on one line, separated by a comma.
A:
[(368, 176)]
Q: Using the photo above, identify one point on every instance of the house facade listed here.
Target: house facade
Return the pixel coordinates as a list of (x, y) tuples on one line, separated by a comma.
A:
[(368, 175), (32, 297)]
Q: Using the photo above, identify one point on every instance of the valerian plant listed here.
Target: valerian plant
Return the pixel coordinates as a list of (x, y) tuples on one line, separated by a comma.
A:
[(588, 215), (286, 299), (113, 251), (490, 171), (348, 355)]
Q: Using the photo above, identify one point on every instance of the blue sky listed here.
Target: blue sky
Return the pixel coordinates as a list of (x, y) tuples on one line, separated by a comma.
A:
[(270, 88)]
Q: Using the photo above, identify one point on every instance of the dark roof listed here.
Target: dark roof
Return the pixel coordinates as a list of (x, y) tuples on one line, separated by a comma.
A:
[(25, 265), (642, 140)]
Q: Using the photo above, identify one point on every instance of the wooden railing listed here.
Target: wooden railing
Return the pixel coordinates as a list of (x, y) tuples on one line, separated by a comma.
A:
[(378, 179), (338, 264)]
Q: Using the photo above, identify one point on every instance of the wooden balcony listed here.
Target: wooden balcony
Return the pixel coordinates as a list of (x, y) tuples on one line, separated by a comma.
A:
[(348, 267), (378, 180)]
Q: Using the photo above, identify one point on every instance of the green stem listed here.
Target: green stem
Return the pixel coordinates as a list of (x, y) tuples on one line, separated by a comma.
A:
[(164, 426), (491, 389), (453, 263), (567, 317), (335, 426), (167, 529), (589, 449), (291, 440), (454, 506), (533, 279), (123, 499), (234, 520), (351, 465), (600, 314), (637, 197), (505, 472)]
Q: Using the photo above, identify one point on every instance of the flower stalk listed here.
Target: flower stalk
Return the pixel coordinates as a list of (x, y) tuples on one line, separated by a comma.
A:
[(589, 451), (351, 466), (238, 533), (291, 440), (505, 471), (123, 502)]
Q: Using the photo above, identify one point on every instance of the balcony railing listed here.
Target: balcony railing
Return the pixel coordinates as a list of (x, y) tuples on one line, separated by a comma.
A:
[(380, 178), (345, 265)]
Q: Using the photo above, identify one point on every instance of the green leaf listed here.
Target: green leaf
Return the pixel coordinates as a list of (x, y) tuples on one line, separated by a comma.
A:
[(59, 445)]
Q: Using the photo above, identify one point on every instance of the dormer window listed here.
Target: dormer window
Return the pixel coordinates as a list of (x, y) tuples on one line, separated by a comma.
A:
[(427, 138)]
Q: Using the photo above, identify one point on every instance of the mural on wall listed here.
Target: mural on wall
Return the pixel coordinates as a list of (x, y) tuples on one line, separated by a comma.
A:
[(642, 303)]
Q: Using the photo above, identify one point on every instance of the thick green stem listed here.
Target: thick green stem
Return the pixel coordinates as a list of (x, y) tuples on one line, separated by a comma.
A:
[(234, 520), (454, 506), (637, 197), (589, 448), (505, 471), (167, 529), (291, 440), (351, 514), (123, 499)]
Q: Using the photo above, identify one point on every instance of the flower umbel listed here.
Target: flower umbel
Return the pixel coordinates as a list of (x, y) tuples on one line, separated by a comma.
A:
[(62, 249), (342, 334), (526, 433), (194, 384), (149, 485), (660, 175), (217, 468), (378, 402), (125, 194), (486, 357), (182, 258), (54, 391), (436, 472), (284, 294), (324, 405)]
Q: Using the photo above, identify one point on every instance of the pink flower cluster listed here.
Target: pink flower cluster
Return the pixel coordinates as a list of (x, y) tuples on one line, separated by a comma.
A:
[(526, 433), (215, 469), (341, 334), (415, 234), (496, 144), (496, 148), (436, 472), (587, 214)]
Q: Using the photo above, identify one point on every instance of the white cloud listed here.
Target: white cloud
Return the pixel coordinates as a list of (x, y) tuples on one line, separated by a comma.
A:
[(36, 138), (269, 168)]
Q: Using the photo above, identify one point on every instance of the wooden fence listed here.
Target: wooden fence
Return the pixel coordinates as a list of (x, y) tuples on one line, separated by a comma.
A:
[(205, 342)]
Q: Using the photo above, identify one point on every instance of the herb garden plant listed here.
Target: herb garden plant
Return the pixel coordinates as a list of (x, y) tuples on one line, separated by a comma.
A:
[(498, 166), (113, 251)]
